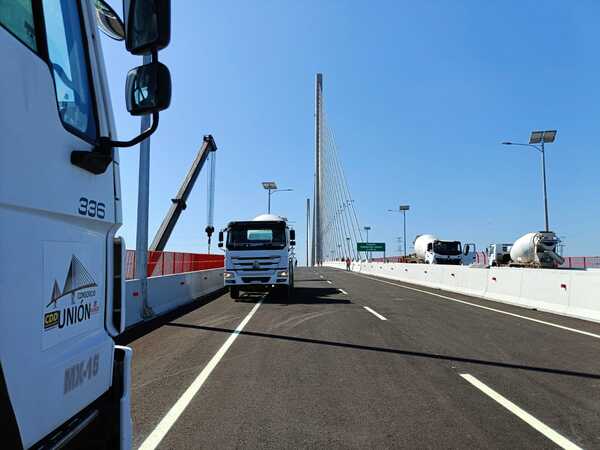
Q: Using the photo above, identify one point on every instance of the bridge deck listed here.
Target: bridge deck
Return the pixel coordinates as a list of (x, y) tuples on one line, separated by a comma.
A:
[(323, 371)]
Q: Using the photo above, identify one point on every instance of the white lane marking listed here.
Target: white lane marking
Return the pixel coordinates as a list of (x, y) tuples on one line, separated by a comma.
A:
[(375, 313), (574, 330), (555, 437), (342, 291), (163, 427), (321, 276), (328, 281)]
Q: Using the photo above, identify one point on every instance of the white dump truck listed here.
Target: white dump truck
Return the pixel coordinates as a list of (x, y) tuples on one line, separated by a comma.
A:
[(63, 381), (431, 250), (536, 249), (259, 256)]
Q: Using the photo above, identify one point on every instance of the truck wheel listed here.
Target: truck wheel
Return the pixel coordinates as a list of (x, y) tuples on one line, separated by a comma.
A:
[(234, 292), (288, 292), (283, 292)]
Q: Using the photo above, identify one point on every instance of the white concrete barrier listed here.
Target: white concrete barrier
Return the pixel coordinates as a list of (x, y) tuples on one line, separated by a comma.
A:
[(546, 290), (584, 293), (574, 293), (168, 292), (504, 284)]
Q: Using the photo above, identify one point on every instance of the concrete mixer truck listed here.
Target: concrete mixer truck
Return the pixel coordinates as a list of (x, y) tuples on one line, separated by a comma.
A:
[(536, 250), (259, 256), (431, 250)]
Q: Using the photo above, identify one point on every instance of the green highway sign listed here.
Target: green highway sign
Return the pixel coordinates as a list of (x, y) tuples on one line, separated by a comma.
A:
[(370, 246)]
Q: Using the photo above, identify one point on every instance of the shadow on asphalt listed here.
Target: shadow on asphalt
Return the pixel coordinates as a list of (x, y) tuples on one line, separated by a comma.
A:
[(140, 329), (301, 296), (408, 353)]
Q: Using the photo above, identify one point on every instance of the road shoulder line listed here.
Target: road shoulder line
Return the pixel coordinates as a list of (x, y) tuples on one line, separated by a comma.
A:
[(163, 427), (531, 319)]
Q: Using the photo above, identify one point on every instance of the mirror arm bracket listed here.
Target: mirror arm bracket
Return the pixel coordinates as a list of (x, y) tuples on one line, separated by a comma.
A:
[(136, 140), (97, 160)]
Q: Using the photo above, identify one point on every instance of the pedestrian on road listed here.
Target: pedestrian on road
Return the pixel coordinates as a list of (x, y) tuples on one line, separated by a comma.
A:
[(348, 264)]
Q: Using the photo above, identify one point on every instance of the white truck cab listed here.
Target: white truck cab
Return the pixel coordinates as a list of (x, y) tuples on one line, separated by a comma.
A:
[(431, 250), (498, 254), (62, 378), (259, 256)]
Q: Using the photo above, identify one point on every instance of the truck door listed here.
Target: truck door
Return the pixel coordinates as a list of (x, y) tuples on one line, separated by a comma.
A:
[(55, 218), (469, 254)]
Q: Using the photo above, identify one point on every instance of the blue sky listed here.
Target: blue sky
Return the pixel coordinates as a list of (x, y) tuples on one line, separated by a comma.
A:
[(419, 94)]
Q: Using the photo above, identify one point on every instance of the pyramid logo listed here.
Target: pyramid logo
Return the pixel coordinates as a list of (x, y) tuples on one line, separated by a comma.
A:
[(78, 278)]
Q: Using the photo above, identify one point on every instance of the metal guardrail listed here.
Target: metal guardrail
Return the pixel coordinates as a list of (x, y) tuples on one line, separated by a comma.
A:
[(169, 263)]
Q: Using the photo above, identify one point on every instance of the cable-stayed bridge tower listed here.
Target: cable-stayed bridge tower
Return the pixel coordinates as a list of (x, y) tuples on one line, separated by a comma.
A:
[(336, 228)]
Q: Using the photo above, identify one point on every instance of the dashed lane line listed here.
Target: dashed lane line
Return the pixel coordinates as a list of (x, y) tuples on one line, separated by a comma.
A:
[(536, 424), (375, 313), (342, 291)]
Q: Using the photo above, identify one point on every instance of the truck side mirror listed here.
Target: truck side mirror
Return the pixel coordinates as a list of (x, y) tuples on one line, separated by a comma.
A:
[(292, 242), (220, 236), (147, 25), (292, 235), (148, 89), (109, 21)]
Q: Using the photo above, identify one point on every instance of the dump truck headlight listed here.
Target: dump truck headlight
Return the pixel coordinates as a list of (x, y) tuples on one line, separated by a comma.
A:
[(227, 275), (282, 273)]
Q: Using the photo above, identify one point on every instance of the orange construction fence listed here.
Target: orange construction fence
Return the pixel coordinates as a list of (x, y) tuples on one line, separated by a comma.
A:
[(169, 263)]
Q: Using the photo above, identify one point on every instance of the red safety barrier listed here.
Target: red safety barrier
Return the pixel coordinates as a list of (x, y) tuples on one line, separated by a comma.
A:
[(169, 263), (581, 262)]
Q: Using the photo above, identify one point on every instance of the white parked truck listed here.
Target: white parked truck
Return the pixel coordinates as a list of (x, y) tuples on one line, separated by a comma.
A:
[(431, 250), (498, 254), (259, 256), (63, 381), (537, 249)]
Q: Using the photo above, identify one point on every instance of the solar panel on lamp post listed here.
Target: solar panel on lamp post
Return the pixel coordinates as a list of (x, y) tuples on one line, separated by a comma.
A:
[(271, 186), (540, 137)]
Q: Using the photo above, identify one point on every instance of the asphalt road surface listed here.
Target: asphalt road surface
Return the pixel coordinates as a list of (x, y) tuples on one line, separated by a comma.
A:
[(355, 361)]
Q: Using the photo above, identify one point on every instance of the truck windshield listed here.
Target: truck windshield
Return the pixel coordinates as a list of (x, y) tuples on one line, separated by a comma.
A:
[(256, 238), (446, 247)]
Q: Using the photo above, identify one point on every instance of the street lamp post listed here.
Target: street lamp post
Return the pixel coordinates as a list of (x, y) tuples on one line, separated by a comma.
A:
[(540, 137), (271, 186), (367, 228), (402, 209)]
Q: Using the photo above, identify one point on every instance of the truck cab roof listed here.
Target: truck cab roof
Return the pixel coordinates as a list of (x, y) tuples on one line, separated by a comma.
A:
[(264, 219), (269, 218)]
